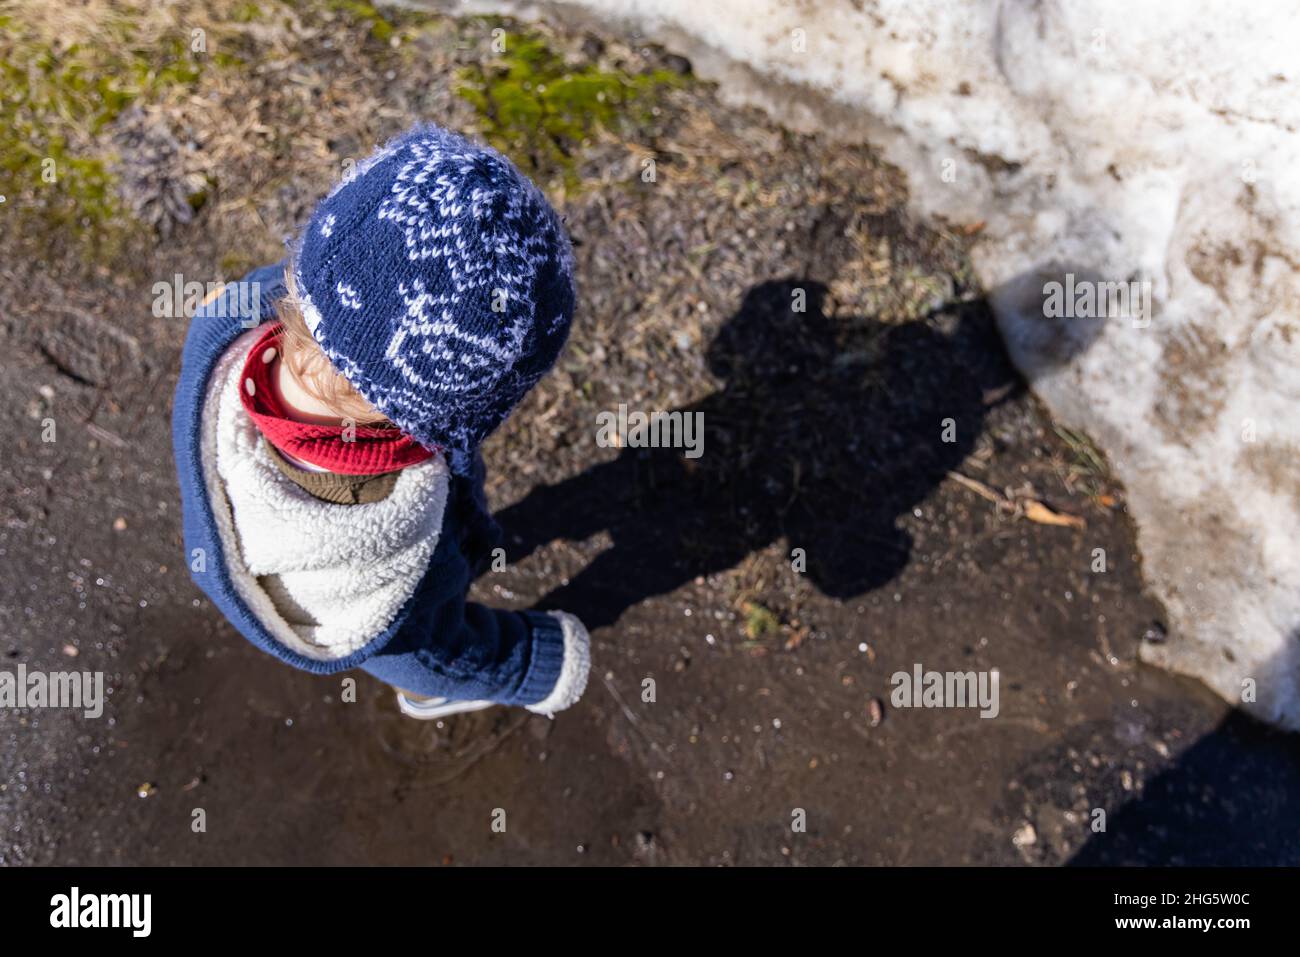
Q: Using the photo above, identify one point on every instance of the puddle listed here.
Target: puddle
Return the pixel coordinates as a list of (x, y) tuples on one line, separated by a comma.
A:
[(442, 749)]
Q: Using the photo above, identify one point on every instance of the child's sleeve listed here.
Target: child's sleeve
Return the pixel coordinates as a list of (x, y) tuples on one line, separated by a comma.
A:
[(454, 648)]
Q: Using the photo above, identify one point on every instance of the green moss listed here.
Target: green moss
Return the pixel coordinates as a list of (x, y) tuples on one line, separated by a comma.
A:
[(540, 110), (389, 26), (759, 621), (381, 27), (246, 13), (177, 68), (55, 97)]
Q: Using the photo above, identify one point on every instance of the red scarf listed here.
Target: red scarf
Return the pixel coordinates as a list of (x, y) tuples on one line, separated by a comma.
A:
[(371, 451)]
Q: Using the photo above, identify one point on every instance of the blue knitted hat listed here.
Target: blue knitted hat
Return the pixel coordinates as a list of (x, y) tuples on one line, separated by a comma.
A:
[(439, 282)]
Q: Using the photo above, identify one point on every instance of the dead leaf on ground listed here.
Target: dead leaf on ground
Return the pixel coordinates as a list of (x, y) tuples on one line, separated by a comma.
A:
[(1040, 513)]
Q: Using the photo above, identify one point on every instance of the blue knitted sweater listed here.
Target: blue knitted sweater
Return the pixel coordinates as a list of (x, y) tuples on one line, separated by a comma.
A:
[(413, 628)]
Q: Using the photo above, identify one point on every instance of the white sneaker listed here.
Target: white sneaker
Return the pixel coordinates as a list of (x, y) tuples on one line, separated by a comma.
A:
[(427, 709)]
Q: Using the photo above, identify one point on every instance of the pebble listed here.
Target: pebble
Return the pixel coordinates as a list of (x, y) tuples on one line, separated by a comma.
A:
[(1025, 835)]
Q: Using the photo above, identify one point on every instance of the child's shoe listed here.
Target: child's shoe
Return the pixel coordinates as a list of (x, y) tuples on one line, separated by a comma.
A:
[(427, 709)]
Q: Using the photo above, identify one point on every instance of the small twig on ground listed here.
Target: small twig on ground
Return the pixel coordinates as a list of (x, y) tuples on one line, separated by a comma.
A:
[(1030, 508)]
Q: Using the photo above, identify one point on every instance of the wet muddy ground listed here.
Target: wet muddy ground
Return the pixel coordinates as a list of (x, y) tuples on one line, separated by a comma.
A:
[(823, 433)]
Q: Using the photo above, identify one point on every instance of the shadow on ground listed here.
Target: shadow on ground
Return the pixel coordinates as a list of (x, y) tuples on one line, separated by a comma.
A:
[(1229, 799), (824, 433)]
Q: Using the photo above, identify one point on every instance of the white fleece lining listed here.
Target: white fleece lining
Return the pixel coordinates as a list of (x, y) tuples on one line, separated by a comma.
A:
[(339, 573), (573, 672)]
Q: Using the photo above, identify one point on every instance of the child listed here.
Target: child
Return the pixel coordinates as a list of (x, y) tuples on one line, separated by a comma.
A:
[(330, 478)]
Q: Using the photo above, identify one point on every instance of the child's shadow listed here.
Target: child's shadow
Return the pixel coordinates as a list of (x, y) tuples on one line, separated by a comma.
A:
[(826, 431)]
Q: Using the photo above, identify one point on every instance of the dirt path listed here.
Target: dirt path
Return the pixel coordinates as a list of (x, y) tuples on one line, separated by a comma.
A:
[(822, 434)]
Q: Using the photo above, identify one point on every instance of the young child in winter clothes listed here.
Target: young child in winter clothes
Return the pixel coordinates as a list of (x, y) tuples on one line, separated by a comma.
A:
[(328, 457)]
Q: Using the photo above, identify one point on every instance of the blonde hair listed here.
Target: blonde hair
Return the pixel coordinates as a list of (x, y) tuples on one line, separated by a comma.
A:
[(311, 369)]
